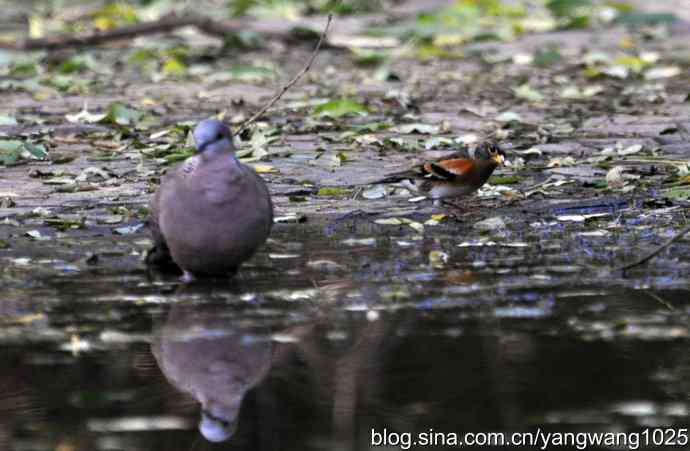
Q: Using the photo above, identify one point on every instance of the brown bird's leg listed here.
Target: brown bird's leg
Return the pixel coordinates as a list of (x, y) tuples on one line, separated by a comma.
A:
[(456, 211)]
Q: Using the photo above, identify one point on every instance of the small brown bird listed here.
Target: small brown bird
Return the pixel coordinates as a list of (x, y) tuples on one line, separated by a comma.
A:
[(453, 176)]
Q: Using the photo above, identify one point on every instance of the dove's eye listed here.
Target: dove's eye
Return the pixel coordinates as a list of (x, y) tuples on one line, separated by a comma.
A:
[(219, 136)]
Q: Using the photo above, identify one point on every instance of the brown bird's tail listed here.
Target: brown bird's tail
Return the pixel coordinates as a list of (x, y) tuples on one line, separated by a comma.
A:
[(394, 178)]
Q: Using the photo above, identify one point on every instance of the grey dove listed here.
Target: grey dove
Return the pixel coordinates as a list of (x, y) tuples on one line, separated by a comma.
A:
[(211, 212)]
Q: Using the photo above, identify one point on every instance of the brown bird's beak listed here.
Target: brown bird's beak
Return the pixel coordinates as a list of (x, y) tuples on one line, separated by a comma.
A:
[(498, 158)]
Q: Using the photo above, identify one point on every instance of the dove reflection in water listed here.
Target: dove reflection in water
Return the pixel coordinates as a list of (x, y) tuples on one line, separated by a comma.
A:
[(215, 361)]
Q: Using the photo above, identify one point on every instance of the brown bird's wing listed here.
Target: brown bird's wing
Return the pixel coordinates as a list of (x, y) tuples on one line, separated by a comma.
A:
[(458, 167), (447, 170)]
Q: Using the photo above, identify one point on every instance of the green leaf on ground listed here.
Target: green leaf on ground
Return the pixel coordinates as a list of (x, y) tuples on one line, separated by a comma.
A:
[(251, 73), (504, 179), (332, 191), (422, 129), (568, 8), (368, 58), (180, 155), (174, 66), (13, 151), (340, 107), (78, 63), (547, 57), (36, 151), (10, 151), (640, 18), (86, 117), (128, 229), (528, 93), (121, 114)]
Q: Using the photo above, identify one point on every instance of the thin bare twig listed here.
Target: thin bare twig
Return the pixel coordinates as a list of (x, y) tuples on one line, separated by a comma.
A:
[(660, 300), (243, 126), (656, 251), (164, 24)]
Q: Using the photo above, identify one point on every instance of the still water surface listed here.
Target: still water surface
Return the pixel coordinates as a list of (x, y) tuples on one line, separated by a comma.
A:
[(328, 336)]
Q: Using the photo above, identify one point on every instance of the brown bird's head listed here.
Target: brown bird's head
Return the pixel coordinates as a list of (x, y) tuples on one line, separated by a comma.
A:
[(489, 150)]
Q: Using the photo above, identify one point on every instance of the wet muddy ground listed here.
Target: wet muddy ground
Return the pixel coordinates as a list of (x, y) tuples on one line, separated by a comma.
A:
[(364, 310)]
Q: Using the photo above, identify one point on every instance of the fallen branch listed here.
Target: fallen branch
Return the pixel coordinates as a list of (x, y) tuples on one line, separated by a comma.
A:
[(164, 24), (656, 251), (243, 126)]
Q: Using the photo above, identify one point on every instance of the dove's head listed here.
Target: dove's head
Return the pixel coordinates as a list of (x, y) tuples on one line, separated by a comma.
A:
[(218, 422), (212, 135)]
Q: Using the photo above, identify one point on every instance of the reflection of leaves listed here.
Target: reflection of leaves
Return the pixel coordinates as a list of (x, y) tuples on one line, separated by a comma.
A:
[(490, 224), (375, 192), (416, 226), (678, 192), (617, 178), (63, 223), (36, 235)]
